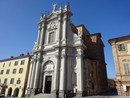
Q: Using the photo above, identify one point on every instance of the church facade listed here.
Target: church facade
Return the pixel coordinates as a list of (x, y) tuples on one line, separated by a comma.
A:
[(66, 59)]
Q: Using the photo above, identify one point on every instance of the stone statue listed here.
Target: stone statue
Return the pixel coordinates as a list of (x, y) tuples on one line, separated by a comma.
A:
[(54, 6)]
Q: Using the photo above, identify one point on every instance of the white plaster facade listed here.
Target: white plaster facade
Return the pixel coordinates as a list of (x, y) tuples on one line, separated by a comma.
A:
[(57, 54)]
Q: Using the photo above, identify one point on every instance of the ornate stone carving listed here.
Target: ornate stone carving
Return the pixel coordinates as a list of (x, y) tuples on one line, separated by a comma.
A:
[(52, 26), (49, 67)]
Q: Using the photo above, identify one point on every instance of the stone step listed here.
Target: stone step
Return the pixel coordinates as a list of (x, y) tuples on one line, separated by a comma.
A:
[(42, 96)]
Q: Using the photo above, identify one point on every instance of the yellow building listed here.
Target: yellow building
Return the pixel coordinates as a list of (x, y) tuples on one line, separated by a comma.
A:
[(121, 53), (13, 75)]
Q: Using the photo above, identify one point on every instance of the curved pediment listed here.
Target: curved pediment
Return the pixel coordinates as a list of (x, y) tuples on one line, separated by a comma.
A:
[(49, 66)]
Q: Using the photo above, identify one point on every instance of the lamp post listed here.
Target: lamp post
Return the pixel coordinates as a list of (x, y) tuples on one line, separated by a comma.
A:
[(3, 87)]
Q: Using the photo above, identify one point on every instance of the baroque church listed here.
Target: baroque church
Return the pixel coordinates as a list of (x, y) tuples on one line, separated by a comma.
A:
[(66, 59)]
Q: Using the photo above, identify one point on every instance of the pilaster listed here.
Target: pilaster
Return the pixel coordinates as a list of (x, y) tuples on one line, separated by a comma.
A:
[(80, 70), (42, 35), (62, 74), (30, 74), (69, 69), (116, 59), (33, 73), (39, 34), (58, 36), (64, 30), (36, 77), (56, 73), (40, 80)]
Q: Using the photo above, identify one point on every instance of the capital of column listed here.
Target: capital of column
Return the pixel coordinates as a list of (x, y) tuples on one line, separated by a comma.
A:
[(43, 25), (39, 25), (31, 61), (65, 18), (63, 56), (35, 58), (39, 59), (59, 19), (56, 55)]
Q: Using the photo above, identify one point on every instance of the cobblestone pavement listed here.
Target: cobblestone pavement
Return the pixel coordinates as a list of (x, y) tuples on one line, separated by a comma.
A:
[(107, 97), (110, 94)]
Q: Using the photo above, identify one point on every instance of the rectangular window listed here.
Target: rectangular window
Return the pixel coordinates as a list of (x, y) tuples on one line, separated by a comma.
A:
[(4, 65), (10, 64), (2, 71), (128, 88), (22, 62), (7, 72), (14, 71), (21, 70), (12, 81), (126, 69), (121, 47), (5, 81), (18, 81), (51, 37), (16, 63)]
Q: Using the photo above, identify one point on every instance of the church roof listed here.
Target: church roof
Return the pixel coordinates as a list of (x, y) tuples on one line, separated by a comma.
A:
[(74, 29)]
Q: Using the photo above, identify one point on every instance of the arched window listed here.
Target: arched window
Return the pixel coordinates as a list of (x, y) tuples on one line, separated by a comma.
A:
[(9, 92), (16, 92)]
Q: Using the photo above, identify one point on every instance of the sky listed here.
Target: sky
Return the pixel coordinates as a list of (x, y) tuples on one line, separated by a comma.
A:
[(19, 18)]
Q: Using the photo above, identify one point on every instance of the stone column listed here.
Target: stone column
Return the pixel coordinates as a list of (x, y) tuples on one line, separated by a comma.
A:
[(79, 73), (62, 75), (69, 69), (56, 75), (64, 30), (39, 34), (40, 80), (33, 73), (41, 37), (29, 77), (58, 36), (37, 71)]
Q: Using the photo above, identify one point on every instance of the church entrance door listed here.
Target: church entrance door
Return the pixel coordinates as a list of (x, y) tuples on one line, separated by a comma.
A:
[(48, 81)]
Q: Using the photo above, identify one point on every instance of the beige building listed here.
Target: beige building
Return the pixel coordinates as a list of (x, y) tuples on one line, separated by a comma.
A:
[(13, 75), (121, 53)]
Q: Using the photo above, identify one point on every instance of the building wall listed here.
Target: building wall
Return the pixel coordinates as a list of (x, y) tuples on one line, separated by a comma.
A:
[(10, 64), (63, 58), (122, 57), (112, 84), (95, 51), (91, 79)]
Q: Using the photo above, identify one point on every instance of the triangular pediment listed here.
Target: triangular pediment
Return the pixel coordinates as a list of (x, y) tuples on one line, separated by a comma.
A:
[(52, 16)]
